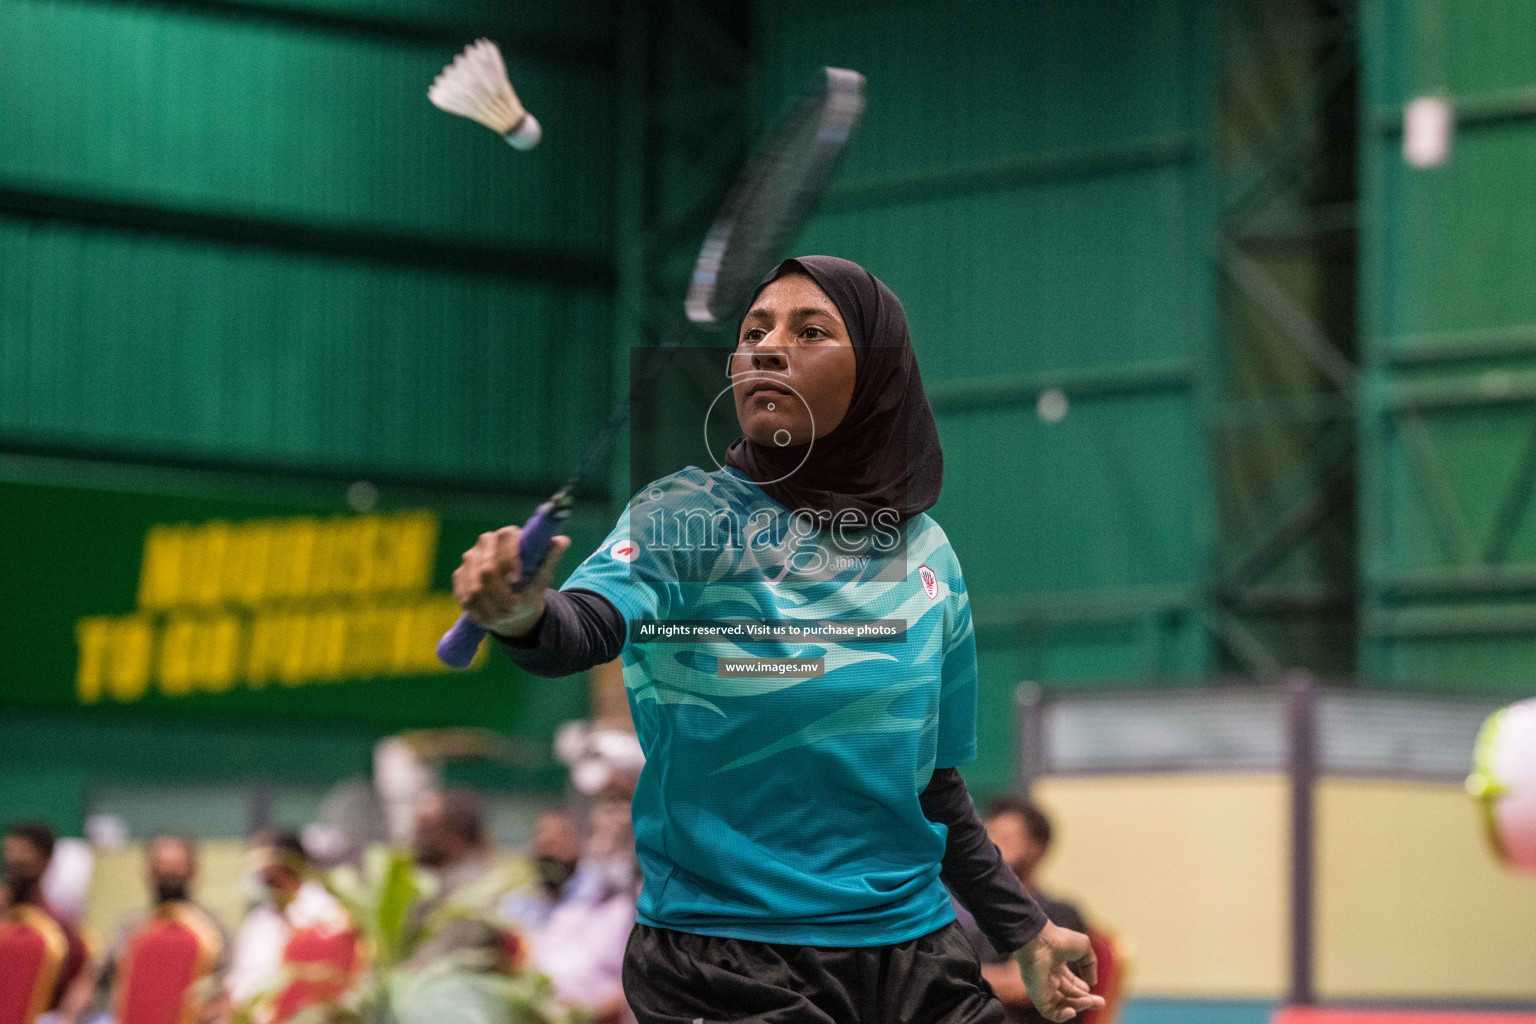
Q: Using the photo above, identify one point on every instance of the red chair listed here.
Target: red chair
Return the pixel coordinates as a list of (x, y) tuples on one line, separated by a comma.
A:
[(1314, 1015), (319, 965), (1114, 954), (166, 958), (32, 948)]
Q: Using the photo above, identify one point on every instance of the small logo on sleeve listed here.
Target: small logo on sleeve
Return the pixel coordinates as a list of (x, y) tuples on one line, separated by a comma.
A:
[(624, 551), (930, 582)]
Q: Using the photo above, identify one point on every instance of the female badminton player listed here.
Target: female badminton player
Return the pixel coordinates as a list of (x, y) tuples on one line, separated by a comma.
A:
[(799, 836)]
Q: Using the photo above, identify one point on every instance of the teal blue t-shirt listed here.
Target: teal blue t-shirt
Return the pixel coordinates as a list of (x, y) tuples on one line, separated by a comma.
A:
[(786, 809)]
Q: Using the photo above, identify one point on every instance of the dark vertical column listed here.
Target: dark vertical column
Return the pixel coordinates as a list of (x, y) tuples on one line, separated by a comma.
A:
[(1028, 734), (259, 808), (1302, 695)]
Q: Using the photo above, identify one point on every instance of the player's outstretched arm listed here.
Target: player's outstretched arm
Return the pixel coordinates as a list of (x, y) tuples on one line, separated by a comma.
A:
[(1046, 965)]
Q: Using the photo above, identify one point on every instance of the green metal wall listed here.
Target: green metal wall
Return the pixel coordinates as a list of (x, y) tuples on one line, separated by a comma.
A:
[(1033, 182), (1448, 321), (237, 243), (240, 232)]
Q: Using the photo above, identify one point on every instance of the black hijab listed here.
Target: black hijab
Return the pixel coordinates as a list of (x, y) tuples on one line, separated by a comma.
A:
[(885, 453)]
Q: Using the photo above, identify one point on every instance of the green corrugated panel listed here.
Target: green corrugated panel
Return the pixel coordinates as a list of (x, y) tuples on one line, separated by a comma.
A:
[(573, 21), (1064, 274), (1450, 321), (145, 344), (1087, 504), (953, 84), (258, 117)]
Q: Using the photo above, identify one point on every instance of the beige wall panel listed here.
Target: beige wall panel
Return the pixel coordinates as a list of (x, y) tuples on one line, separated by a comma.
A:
[(1410, 902), (1193, 868)]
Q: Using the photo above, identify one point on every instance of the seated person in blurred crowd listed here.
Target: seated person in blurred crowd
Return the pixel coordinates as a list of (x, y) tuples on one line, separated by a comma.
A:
[(28, 849), (171, 871), (284, 898), (555, 853), (450, 839), (450, 842), (1022, 834), (581, 946)]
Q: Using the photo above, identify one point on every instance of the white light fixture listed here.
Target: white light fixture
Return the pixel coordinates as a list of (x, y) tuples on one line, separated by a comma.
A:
[(1428, 124)]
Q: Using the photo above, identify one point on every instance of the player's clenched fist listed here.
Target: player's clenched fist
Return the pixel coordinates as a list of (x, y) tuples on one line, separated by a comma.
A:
[(483, 583)]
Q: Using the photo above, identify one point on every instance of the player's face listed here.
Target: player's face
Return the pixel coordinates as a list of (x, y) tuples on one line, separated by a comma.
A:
[(793, 371)]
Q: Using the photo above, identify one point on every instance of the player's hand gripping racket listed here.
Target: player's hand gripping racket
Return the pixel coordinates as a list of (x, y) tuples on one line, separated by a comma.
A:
[(764, 210)]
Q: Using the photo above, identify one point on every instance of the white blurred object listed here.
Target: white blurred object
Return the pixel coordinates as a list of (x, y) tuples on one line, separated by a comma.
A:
[(1051, 406), (351, 818), (106, 831), (67, 882), (571, 741), (1503, 782), (1428, 124), (591, 776), (476, 86), (402, 777), (325, 842), (363, 496), (598, 757)]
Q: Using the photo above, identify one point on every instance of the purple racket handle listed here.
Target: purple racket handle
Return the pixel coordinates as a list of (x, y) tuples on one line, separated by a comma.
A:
[(458, 646)]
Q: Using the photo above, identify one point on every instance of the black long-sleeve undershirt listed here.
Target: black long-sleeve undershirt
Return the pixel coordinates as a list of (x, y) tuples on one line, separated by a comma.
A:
[(581, 628), (973, 867)]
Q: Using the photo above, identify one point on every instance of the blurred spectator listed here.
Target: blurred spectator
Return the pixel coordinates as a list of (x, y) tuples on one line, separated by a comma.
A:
[(556, 853), (581, 946), (171, 873), (28, 849), (1022, 834), (285, 899), (450, 838), (451, 844)]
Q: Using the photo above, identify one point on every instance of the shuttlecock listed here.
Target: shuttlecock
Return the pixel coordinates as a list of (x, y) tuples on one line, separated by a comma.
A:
[(476, 86)]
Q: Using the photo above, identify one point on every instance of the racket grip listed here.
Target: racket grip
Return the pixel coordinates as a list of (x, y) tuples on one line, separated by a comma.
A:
[(457, 647), (533, 546)]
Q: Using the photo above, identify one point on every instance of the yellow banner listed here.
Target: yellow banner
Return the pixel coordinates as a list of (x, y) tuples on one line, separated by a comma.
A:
[(272, 602)]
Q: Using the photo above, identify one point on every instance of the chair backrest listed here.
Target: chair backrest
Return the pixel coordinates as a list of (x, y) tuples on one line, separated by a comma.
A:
[(32, 948), (166, 958), (319, 964)]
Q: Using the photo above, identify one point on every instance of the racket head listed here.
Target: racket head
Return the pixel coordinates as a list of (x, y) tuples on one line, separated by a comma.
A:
[(774, 194)]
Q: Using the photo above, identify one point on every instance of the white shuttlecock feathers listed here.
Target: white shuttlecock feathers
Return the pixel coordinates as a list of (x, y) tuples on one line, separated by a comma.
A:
[(476, 86)]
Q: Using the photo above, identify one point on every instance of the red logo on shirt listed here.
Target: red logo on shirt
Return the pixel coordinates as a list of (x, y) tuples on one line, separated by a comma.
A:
[(624, 550), (930, 582)]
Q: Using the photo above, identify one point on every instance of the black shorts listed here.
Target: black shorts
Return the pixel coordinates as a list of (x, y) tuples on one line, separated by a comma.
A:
[(675, 977)]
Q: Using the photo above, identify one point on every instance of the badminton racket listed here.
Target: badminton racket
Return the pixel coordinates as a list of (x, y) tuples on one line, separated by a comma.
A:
[(762, 213)]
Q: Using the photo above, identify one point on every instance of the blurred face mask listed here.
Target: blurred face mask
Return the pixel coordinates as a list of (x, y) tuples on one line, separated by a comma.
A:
[(23, 870), (554, 872), (23, 884), (170, 889)]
